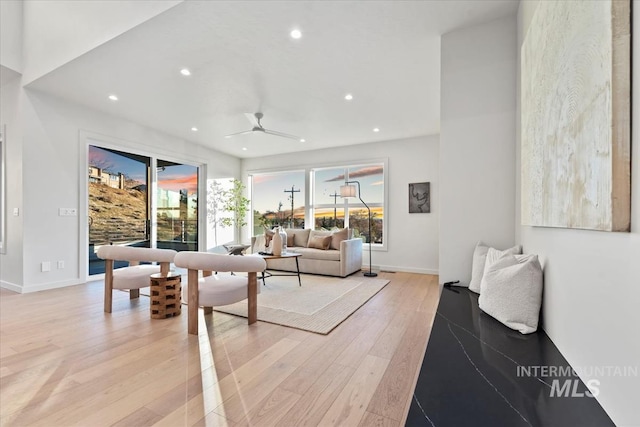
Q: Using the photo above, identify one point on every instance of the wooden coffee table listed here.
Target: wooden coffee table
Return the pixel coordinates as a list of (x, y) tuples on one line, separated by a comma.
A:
[(266, 273)]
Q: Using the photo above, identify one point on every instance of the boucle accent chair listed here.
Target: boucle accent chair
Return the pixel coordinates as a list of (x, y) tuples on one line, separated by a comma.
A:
[(216, 290), (135, 276)]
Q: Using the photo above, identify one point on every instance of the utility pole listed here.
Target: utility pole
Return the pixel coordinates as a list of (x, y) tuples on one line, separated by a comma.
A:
[(335, 205), (291, 196)]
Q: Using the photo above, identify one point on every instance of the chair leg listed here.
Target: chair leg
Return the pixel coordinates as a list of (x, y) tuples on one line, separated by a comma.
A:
[(193, 304), (108, 285), (134, 293), (252, 296), (208, 310)]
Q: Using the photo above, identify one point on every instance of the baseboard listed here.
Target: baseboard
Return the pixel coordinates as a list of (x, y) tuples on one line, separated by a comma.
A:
[(45, 286), (402, 269), (10, 286)]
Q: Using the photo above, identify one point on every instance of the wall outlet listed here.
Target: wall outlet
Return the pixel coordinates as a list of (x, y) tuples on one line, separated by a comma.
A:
[(45, 266), (67, 212), (60, 265)]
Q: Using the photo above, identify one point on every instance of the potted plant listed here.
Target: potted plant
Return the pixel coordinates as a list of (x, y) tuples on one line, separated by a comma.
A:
[(233, 202)]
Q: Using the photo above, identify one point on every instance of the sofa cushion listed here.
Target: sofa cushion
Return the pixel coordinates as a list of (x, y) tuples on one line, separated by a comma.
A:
[(311, 253), (300, 236), (320, 242), (337, 236), (290, 239)]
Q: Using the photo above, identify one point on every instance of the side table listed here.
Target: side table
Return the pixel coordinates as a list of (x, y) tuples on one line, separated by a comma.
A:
[(165, 294)]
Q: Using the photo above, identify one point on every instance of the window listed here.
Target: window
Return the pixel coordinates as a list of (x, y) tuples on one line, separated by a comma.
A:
[(330, 210), (278, 199)]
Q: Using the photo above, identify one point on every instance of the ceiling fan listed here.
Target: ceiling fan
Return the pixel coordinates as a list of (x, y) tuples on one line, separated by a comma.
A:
[(254, 119)]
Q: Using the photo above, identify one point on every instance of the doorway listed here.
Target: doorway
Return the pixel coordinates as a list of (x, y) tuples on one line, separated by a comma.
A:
[(123, 211)]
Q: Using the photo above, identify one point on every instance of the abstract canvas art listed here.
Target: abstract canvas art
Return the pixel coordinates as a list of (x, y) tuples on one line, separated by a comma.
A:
[(575, 116), (420, 197)]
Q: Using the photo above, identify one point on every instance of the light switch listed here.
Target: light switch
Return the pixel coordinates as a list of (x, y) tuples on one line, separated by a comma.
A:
[(16, 211)]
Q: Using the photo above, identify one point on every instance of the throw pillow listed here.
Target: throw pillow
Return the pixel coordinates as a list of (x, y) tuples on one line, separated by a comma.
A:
[(512, 292), (493, 255), (320, 242), (481, 261), (316, 233), (300, 236), (338, 236), (290, 240), (477, 268)]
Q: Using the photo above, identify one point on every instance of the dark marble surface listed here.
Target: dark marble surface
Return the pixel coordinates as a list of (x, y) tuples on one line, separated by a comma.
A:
[(478, 372)]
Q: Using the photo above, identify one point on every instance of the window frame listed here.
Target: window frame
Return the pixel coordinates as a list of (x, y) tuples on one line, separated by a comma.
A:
[(309, 190)]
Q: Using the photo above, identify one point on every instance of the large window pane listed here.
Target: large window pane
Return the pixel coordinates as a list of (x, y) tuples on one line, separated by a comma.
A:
[(278, 199), (329, 218), (371, 179), (118, 202), (177, 200), (359, 221)]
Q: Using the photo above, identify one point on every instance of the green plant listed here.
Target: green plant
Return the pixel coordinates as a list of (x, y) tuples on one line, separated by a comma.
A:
[(234, 202)]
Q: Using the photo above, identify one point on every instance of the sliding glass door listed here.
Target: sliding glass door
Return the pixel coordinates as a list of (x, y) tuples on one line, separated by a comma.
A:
[(118, 201), (121, 208), (177, 206)]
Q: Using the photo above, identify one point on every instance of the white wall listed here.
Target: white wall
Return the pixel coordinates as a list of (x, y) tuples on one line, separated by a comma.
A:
[(11, 34), (591, 306), (412, 239), (11, 260), (52, 158), (58, 31), (477, 150)]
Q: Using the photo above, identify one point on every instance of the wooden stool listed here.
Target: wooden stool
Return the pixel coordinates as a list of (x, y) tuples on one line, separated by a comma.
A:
[(166, 294)]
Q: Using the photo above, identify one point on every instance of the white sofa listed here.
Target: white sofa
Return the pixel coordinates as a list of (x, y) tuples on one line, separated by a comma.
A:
[(342, 258)]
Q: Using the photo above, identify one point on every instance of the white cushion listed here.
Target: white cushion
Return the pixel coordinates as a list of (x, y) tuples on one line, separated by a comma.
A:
[(482, 259), (222, 289), (512, 291), (134, 277), (477, 268)]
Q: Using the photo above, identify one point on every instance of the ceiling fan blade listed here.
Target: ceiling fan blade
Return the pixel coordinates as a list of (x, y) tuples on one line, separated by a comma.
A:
[(252, 119), (284, 135), (239, 133)]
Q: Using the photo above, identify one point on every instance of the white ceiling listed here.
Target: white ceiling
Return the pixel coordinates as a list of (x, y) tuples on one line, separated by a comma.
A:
[(242, 59)]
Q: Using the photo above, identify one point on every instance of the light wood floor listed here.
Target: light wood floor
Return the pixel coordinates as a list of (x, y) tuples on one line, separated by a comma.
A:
[(64, 362)]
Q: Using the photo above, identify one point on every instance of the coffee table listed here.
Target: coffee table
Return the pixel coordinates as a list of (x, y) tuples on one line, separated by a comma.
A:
[(266, 273)]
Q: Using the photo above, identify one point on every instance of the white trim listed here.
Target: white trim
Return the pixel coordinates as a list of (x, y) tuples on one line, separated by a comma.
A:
[(10, 286), (402, 269), (42, 286)]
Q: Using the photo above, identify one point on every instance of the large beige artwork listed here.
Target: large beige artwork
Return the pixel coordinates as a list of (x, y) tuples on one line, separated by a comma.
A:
[(575, 92)]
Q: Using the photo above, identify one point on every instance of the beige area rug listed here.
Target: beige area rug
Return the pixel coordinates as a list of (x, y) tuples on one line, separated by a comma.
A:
[(319, 305)]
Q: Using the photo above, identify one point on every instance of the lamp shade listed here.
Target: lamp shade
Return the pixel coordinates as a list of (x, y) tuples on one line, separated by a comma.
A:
[(347, 191)]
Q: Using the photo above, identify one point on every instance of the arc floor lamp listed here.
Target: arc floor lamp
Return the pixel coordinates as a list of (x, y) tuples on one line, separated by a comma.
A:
[(349, 190)]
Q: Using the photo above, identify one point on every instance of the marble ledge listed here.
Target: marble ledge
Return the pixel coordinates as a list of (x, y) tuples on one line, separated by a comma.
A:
[(478, 372)]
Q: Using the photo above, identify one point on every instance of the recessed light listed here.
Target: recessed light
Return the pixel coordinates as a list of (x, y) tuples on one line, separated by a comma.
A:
[(244, 148), (195, 129), (295, 34), (303, 140), (376, 130), (348, 97), (113, 97), (185, 72)]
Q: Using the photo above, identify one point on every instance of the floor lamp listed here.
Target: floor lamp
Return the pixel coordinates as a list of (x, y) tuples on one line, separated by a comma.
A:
[(348, 190)]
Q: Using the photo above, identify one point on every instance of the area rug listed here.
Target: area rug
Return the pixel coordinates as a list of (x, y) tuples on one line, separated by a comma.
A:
[(319, 305)]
